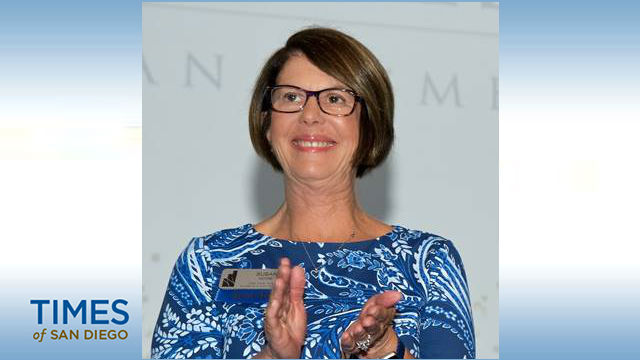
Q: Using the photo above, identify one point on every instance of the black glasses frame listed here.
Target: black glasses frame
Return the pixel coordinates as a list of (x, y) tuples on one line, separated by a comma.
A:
[(315, 94)]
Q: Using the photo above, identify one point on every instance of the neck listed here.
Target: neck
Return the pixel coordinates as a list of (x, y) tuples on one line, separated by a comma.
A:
[(319, 212), (322, 211)]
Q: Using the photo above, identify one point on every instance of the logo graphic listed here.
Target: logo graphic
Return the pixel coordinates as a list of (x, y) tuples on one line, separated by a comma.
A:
[(230, 280)]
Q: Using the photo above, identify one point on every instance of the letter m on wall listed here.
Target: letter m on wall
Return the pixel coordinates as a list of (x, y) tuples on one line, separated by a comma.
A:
[(440, 94)]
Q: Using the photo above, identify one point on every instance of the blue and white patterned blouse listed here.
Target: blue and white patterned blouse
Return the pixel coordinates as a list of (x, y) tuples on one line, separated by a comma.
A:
[(433, 319)]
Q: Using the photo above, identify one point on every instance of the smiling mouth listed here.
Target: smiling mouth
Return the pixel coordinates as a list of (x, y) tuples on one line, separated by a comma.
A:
[(314, 144)]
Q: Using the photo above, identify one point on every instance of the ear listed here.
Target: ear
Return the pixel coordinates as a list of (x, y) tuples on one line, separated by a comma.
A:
[(268, 133)]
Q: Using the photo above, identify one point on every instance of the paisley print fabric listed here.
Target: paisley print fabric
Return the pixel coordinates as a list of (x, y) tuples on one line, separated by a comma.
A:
[(433, 319)]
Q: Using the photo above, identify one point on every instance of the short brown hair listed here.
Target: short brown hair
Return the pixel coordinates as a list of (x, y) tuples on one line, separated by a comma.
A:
[(346, 59)]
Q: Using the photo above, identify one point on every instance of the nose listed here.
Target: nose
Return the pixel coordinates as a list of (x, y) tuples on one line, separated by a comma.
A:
[(311, 112)]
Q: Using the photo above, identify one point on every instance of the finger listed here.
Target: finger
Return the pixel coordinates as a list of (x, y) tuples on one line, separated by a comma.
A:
[(388, 298), (376, 328), (284, 273), (357, 332), (272, 325), (279, 275), (296, 285), (371, 325), (369, 303), (284, 268), (285, 261), (285, 298), (348, 343), (277, 292), (372, 301), (271, 313), (379, 313), (382, 315), (275, 298)]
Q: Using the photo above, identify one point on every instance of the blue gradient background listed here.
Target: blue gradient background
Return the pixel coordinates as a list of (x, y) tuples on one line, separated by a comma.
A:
[(568, 170), (569, 98)]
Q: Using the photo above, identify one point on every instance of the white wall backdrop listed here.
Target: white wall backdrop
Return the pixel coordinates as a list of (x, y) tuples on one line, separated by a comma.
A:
[(200, 173)]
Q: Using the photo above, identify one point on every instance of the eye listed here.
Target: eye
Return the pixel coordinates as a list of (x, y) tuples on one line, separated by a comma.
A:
[(292, 97), (335, 99)]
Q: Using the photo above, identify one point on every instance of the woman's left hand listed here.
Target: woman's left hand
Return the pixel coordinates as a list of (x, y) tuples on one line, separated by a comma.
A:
[(373, 323)]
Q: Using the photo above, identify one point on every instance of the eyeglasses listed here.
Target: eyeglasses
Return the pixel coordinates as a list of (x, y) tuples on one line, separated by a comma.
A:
[(292, 99)]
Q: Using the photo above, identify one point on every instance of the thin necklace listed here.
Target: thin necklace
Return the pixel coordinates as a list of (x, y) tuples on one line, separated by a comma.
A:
[(315, 270)]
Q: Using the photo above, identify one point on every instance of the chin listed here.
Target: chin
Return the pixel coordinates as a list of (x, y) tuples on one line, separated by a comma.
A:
[(314, 173)]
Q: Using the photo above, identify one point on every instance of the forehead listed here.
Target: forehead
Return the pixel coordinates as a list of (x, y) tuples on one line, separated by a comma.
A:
[(301, 72)]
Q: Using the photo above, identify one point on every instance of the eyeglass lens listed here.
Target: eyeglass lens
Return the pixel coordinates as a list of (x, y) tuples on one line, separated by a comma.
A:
[(331, 101)]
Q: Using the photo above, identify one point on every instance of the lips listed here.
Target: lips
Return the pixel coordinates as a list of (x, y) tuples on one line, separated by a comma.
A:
[(313, 143)]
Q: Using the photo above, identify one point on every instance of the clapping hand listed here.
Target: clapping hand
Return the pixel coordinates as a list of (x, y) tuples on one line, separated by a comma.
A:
[(285, 319), (371, 335)]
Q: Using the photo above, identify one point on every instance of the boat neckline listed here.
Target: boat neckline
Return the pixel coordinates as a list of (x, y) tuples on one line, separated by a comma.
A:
[(394, 228)]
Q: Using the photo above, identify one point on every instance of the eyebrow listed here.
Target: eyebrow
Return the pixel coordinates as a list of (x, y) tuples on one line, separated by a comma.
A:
[(338, 87)]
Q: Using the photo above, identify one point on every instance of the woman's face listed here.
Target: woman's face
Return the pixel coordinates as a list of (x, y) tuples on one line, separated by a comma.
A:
[(311, 145)]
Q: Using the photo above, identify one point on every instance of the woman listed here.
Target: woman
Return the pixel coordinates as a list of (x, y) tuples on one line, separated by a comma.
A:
[(322, 114)]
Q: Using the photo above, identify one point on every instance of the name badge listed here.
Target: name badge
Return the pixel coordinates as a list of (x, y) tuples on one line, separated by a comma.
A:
[(245, 285)]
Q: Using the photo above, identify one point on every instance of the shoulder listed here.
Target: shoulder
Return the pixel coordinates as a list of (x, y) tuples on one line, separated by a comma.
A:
[(191, 271), (217, 239), (223, 237), (419, 239), (429, 249), (225, 247)]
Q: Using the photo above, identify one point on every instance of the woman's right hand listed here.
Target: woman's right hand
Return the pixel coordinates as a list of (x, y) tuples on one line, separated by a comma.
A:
[(285, 319)]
